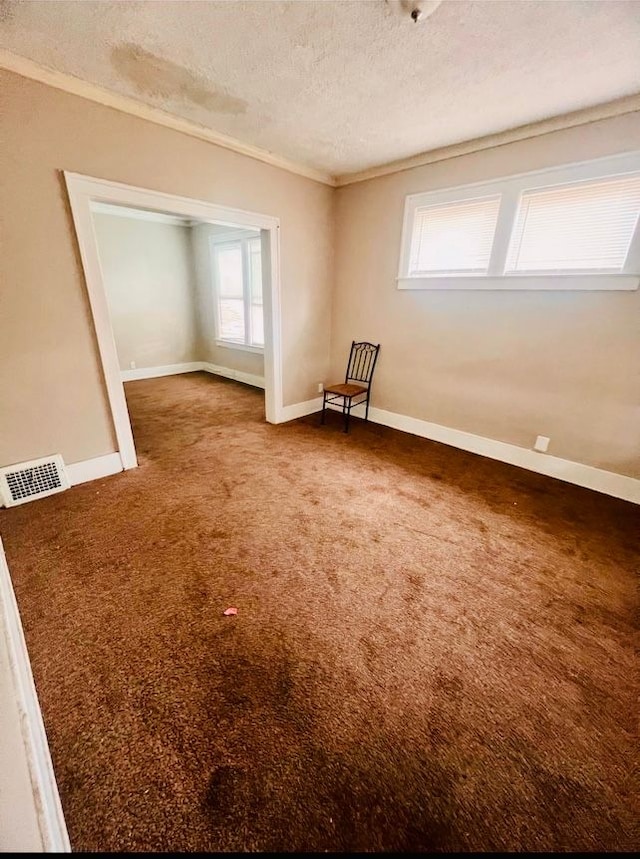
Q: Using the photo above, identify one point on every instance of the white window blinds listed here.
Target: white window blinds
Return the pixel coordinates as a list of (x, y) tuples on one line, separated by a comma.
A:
[(454, 238), (238, 287), (583, 227), (229, 277)]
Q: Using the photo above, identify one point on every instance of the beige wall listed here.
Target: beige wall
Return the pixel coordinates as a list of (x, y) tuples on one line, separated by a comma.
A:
[(499, 364), (148, 273), (503, 365), (52, 396), (160, 291), (223, 356)]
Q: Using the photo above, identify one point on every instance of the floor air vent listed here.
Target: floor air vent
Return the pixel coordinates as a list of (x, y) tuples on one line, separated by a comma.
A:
[(35, 479)]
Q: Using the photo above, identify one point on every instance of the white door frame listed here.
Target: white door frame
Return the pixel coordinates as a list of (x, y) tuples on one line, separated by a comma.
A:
[(83, 190)]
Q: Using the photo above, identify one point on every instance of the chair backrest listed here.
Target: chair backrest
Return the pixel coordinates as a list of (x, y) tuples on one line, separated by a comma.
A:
[(362, 362)]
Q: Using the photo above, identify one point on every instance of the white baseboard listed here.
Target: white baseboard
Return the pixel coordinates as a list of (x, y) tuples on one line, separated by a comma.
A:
[(93, 469), (617, 485), (44, 790), (238, 375), (608, 482), (193, 366), (156, 372), (299, 410)]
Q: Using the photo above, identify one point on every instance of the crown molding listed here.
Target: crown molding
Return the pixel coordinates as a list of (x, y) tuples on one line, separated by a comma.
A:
[(68, 83), (628, 104), (75, 86)]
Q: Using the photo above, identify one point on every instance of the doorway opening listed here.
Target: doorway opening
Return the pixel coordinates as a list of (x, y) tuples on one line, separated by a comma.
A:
[(177, 284)]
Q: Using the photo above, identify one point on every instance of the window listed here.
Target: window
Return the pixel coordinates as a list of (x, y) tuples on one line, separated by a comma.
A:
[(255, 281), (238, 283), (230, 292), (569, 228), (583, 227), (454, 238)]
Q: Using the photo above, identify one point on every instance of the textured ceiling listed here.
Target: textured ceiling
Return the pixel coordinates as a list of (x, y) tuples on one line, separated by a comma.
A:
[(341, 86)]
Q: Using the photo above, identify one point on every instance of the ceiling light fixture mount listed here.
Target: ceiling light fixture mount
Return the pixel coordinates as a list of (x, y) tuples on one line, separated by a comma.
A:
[(418, 10)]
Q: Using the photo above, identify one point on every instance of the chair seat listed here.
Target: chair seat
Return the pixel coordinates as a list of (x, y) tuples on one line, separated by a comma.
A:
[(346, 390)]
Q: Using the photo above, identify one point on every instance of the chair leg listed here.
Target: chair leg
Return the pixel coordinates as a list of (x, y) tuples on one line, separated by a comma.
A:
[(324, 407), (347, 415), (366, 411)]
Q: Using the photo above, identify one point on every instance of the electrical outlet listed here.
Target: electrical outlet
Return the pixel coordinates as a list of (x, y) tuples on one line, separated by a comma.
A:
[(542, 443), (320, 387), (133, 365)]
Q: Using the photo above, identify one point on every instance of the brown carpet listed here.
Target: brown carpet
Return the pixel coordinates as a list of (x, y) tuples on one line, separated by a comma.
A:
[(432, 651)]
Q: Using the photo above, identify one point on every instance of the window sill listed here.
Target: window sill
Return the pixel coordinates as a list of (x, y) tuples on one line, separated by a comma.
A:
[(554, 282), (242, 347)]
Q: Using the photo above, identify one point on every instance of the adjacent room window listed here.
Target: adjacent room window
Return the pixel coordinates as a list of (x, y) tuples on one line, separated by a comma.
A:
[(238, 283), (569, 228), (255, 288)]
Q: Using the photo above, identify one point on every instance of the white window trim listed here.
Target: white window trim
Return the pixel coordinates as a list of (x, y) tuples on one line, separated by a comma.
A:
[(243, 237), (510, 188)]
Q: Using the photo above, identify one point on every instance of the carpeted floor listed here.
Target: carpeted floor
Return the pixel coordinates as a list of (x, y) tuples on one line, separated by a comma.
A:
[(432, 651)]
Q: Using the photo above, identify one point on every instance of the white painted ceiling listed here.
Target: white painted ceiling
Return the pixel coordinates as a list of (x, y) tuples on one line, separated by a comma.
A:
[(341, 86)]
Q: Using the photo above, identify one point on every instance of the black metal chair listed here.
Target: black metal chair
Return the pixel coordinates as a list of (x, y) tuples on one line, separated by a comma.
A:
[(362, 363)]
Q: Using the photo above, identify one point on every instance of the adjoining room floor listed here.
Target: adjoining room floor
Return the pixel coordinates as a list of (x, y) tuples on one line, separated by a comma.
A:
[(432, 651)]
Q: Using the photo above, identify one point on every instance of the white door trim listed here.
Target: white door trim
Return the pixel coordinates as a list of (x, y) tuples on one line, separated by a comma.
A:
[(23, 707), (83, 190)]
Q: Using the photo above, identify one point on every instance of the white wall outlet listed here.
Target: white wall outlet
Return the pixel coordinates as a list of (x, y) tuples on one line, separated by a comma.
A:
[(542, 443), (133, 365), (320, 387)]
